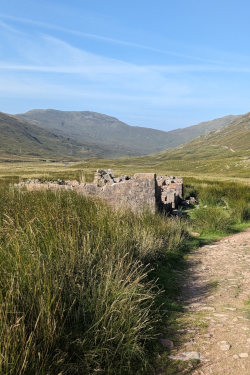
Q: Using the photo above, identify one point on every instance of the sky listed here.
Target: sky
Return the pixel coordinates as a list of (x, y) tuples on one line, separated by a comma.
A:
[(160, 64)]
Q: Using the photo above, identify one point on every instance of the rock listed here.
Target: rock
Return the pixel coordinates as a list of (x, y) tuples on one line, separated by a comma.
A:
[(195, 234), (72, 183), (110, 172), (167, 343), (230, 308), (207, 308), (192, 200), (186, 356), (220, 315), (192, 355), (224, 345), (243, 355), (235, 356)]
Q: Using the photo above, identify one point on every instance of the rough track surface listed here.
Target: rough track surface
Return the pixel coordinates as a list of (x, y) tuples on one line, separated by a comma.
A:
[(216, 292)]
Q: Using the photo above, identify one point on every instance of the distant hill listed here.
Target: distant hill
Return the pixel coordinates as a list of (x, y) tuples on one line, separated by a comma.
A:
[(21, 140), (223, 153), (116, 137), (230, 141), (180, 136)]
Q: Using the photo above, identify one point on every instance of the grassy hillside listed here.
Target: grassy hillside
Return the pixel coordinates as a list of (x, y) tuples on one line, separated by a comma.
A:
[(218, 155), (115, 135), (225, 152), (230, 141), (180, 136), (21, 140), (222, 154)]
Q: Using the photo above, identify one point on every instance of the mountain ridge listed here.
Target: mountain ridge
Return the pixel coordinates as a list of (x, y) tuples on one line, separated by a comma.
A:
[(21, 139), (109, 132)]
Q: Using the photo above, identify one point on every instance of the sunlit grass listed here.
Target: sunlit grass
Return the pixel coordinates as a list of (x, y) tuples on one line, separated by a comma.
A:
[(79, 287), (75, 296)]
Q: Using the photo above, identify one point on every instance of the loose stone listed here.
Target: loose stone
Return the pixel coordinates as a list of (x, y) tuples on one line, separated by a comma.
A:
[(243, 355), (207, 308), (224, 345), (187, 356)]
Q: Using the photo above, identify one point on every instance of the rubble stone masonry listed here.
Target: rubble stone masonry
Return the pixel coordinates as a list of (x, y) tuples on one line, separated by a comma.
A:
[(142, 191)]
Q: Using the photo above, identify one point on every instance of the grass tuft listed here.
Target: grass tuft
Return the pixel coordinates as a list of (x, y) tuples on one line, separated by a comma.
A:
[(75, 292)]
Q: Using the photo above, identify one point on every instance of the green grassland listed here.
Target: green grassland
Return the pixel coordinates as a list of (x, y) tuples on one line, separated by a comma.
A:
[(220, 154)]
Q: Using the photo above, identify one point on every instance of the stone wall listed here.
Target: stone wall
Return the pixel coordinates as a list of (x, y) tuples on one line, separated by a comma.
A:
[(142, 191)]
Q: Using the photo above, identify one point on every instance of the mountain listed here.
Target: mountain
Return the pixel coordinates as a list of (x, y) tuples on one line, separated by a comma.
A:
[(116, 136), (222, 153), (230, 141), (180, 136), (19, 139)]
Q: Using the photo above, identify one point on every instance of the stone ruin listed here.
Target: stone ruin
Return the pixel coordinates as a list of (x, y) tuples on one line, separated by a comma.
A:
[(142, 191)]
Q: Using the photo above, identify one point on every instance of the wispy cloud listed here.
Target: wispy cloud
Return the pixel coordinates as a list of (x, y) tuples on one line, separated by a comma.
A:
[(89, 73), (77, 61), (122, 69), (41, 68), (7, 27), (106, 39)]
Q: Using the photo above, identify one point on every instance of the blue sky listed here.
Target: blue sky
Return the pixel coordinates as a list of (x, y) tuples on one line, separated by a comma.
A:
[(161, 64)]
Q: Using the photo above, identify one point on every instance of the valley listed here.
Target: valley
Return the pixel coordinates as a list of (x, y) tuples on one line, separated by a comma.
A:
[(138, 282)]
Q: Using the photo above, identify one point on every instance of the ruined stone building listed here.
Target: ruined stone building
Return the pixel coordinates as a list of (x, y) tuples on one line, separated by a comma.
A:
[(142, 191)]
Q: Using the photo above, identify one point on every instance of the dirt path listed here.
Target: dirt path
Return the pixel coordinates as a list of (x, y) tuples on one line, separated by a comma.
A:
[(215, 292)]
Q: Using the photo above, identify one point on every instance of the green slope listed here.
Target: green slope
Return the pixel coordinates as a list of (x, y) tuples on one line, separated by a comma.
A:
[(229, 142), (110, 133), (21, 140), (221, 153), (224, 152)]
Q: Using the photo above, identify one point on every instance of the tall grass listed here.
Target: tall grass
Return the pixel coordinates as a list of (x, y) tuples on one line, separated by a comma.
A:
[(222, 204), (75, 296), (78, 285)]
